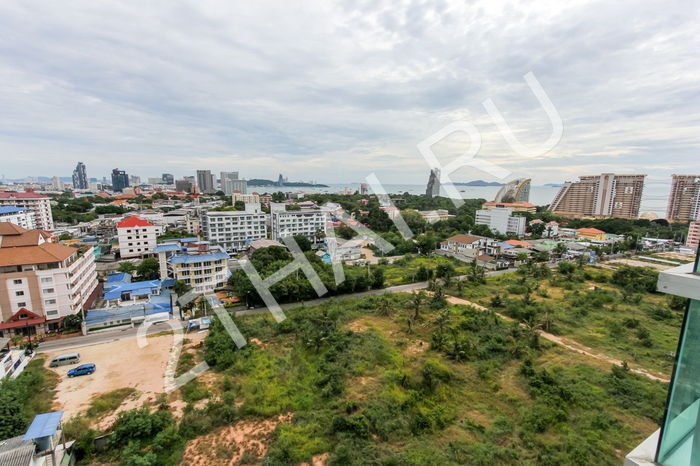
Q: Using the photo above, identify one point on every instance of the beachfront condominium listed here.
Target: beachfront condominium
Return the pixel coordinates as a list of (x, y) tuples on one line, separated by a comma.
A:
[(605, 195), (514, 191), (684, 199)]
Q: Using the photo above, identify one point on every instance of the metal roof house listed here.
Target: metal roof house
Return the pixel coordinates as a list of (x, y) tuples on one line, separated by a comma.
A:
[(43, 444)]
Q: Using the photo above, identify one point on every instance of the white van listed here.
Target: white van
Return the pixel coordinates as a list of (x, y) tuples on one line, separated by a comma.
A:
[(65, 359)]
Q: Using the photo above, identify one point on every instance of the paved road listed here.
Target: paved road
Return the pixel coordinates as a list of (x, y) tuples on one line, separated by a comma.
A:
[(106, 337), (97, 338)]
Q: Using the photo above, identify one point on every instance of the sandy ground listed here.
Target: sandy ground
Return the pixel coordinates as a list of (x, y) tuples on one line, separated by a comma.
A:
[(638, 263), (119, 364)]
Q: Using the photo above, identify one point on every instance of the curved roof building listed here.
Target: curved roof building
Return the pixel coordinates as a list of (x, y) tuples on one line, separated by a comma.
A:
[(514, 191)]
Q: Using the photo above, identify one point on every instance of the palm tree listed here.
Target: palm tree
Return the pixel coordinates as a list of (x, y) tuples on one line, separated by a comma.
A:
[(384, 307), (516, 348), (442, 320), (547, 322), (417, 300), (317, 340), (319, 236), (204, 305), (180, 287), (581, 261), (439, 342), (476, 274), (560, 249)]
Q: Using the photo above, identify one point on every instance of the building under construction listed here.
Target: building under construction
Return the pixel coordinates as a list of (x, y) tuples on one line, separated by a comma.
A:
[(514, 191), (684, 199)]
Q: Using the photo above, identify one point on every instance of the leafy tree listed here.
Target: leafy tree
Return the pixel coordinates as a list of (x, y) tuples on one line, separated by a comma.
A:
[(445, 271), (72, 321), (65, 236), (148, 269), (303, 242), (415, 221), (426, 244), (345, 232), (180, 287), (12, 422), (378, 277), (566, 268), (127, 267)]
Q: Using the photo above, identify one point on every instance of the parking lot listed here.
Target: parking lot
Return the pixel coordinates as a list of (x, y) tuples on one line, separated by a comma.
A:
[(119, 364)]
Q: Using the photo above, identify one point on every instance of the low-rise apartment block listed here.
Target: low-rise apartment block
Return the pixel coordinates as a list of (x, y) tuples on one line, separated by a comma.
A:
[(693, 240), (500, 220), (137, 237), (297, 222), (204, 268), (232, 230), (246, 198), (41, 281), (20, 216), (432, 216), (36, 203)]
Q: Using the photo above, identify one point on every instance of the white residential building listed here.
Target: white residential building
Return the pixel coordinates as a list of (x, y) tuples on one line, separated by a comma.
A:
[(36, 203), (204, 271), (20, 216), (499, 220), (231, 229), (41, 281), (433, 216), (297, 222), (137, 237)]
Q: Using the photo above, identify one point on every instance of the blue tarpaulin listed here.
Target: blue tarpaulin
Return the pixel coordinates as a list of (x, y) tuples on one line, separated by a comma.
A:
[(43, 425)]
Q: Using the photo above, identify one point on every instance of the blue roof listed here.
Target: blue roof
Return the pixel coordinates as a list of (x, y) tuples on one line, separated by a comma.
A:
[(169, 247), (119, 277), (186, 259), (135, 288), (11, 209), (167, 283), (141, 291), (506, 245), (43, 425), (188, 240)]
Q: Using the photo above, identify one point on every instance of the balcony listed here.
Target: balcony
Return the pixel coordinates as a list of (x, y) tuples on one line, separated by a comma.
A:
[(677, 443)]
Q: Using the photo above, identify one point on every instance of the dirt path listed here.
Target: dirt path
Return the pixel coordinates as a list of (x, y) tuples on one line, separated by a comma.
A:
[(561, 341)]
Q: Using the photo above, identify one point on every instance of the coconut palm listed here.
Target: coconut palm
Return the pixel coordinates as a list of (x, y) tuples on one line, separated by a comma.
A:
[(560, 249), (417, 300)]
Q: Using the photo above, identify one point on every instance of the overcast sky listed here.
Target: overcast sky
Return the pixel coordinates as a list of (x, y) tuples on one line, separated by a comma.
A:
[(335, 91)]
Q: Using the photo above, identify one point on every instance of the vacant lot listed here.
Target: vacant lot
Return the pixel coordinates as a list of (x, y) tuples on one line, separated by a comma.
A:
[(120, 364)]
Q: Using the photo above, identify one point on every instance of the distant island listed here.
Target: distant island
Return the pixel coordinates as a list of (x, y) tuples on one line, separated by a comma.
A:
[(298, 184), (479, 183), (553, 185)]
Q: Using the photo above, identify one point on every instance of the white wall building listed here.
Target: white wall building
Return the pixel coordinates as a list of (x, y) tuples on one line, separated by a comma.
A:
[(499, 219), (231, 229), (297, 222), (36, 203), (20, 216), (203, 271), (47, 279), (137, 237)]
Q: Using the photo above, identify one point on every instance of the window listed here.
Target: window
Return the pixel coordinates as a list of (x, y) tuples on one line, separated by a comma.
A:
[(21, 304), (19, 293), (48, 290), (49, 301), (17, 282), (52, 313), (47, 280)]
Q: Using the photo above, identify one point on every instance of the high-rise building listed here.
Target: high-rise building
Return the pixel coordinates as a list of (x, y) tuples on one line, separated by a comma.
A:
[(227, 187), (134, 180), (514, 191), (183, 185), (684, 199), (433, 189), (120, 180), (36, 203), (204, 182), (57, 184), (80, 179), (605, 195), (168, 178), (693, 239)]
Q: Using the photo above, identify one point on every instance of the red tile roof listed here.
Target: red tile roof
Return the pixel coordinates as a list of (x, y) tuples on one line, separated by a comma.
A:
[(134, 221), (594, 231), (463, 239), (518, 243), (26, 195)]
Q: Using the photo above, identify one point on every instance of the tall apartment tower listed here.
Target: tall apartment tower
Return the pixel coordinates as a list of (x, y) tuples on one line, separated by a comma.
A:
[(80, 179), (120, 180), (684, 200), (168, 178), (204, 181), (605, 195), (433, 189)]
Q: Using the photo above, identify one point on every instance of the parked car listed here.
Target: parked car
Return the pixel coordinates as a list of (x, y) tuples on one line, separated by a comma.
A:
[(65, 359), (83, 369)]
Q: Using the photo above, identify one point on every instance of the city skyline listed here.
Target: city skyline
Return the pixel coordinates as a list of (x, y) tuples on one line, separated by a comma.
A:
[(354, 92)]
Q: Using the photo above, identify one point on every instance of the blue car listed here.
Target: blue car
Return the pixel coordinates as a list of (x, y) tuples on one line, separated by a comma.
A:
[(84, 369)]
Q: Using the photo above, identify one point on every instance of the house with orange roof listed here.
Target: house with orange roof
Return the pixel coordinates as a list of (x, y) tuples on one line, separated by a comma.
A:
[(41, 282), (591, 233)]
